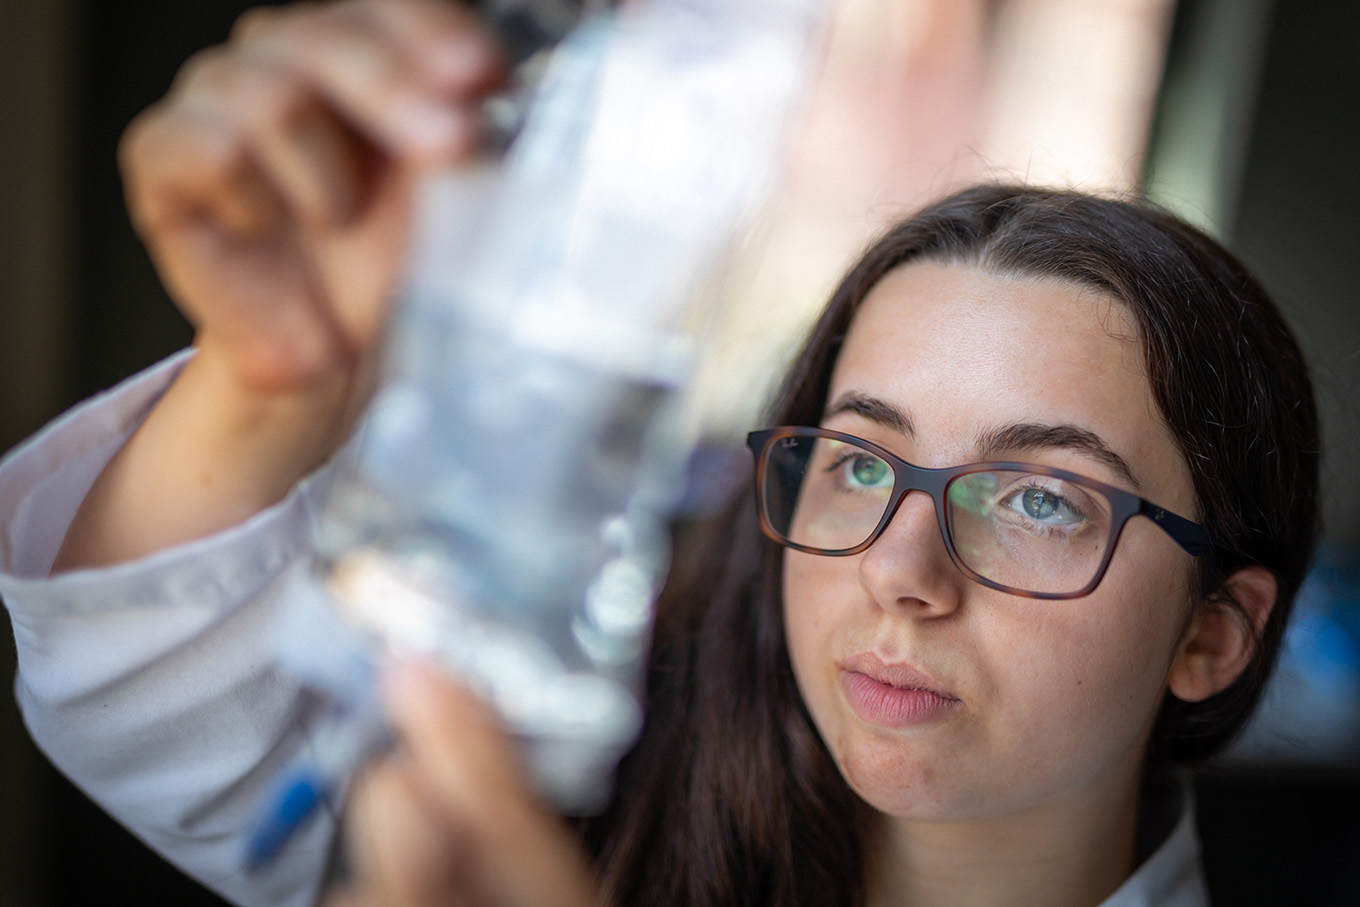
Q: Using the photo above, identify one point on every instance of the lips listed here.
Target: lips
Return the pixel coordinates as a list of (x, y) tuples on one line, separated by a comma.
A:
[(893, 695)]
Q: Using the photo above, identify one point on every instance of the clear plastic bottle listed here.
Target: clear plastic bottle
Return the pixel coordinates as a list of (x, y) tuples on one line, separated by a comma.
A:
[(506, 512)]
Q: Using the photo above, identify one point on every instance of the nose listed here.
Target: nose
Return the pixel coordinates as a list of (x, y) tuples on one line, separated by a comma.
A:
[(908, 567)]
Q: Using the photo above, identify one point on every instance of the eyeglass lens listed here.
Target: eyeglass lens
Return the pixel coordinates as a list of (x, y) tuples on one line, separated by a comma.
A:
[(1027, 531)]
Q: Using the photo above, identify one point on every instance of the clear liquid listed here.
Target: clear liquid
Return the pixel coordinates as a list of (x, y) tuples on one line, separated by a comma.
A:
[(506, 517)]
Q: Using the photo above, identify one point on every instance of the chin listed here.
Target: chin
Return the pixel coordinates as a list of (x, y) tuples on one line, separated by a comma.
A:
[(897, 783)]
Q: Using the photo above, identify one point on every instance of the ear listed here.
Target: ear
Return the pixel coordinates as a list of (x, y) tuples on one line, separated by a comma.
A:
[(1221, 639)]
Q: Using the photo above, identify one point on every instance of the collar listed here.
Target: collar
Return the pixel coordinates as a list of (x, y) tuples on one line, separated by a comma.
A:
[(1171, 876)]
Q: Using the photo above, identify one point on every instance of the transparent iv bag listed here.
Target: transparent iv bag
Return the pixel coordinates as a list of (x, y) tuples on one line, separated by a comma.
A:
[(506, 513)]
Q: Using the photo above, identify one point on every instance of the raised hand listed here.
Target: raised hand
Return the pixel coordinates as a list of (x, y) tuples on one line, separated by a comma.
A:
[(273, 188)]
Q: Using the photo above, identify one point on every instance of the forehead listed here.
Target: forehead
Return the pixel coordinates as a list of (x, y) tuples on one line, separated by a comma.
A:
[(966, 351)]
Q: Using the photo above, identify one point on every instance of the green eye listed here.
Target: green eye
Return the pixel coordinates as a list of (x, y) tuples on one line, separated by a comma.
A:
[(870, 472)]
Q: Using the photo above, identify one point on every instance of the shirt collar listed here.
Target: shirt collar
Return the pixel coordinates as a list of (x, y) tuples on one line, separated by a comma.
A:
[(1172, 876)]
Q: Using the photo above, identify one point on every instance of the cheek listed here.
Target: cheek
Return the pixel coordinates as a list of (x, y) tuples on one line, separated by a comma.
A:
[(814, 594), (812, 587), (1093, 671)]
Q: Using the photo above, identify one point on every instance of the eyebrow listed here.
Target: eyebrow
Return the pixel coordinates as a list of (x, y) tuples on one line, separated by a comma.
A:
[(1033, 436), (873, 409), (1023, 436)]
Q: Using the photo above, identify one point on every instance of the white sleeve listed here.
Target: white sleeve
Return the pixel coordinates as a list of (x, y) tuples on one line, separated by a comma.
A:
[(151, 684)]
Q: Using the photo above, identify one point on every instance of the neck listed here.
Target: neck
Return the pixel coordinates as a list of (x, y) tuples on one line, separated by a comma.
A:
[(1072, 854)]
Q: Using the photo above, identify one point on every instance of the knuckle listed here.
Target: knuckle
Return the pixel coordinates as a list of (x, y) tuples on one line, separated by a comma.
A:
[(203, 69), (241, 92), (252, 22), (260, 21), (227, 82)]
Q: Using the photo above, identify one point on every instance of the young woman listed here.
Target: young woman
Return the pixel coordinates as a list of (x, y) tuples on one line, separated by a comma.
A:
[(1039, 492), (993, 680), (1045, 494)]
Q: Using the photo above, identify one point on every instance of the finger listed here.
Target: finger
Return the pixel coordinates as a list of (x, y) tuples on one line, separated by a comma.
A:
[(315, 163), (198, 197), (450, 43), (179, 163), (470, 771), (416, 98), (402, 854), (250, 117), (215, 224), (453, 737)]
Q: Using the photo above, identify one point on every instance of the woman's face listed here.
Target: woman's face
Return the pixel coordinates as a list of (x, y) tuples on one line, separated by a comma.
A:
[(940, 698)]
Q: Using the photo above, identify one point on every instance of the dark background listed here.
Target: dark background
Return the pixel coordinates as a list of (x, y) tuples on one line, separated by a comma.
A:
[(80, 308)]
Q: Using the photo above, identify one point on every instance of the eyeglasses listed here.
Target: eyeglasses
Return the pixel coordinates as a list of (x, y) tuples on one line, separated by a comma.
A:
[(1022, 528)]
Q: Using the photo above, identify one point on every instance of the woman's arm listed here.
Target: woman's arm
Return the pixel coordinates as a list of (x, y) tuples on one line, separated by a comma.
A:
[(272, 187)]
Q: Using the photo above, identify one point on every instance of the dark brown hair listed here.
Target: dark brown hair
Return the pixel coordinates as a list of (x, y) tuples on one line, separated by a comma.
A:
[(731, 797)]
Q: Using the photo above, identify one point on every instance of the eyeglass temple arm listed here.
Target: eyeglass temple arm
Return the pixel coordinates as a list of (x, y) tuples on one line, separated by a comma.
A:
[(1190, 536)]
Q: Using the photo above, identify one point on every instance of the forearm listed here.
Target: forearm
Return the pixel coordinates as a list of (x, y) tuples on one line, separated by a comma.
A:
[(208, 456)]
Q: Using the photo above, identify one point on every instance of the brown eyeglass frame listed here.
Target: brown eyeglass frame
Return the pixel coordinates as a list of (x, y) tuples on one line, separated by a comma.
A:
[(1124, 505)]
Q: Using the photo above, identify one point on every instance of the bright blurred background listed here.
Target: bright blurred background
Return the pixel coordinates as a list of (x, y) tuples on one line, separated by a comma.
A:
[(1241, 115)]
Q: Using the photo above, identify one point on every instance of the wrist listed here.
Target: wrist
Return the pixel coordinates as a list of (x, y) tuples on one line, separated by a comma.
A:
[(212, 453), (264, 438)]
